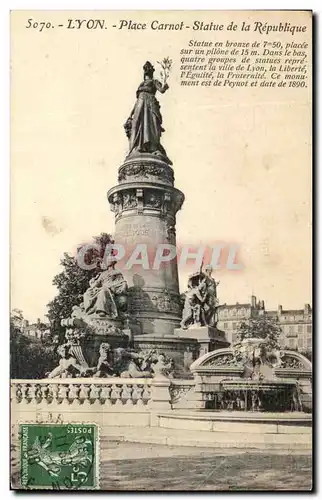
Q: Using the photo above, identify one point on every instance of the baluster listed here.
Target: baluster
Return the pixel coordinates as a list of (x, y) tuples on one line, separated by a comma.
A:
[(116, 395), (33, 393), (146, 396), (44, 392), (135, 393), (25, 393), (73, 393), (139, 395), (94, 393), (17, 392), (126, 395), (62, 396), (53, 391), (105, 395), (84, 393)]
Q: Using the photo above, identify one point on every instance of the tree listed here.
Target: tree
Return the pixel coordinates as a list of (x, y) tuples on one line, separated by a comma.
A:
[(16, 314), (16, 317), (73, 281), (29, 358), (262, 327), (41, 325)]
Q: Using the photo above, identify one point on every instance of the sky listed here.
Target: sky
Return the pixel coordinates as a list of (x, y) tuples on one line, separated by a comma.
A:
[(242, 157)]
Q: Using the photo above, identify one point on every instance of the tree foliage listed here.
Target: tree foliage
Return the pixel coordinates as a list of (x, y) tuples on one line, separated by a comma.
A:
[(16, 315), (29, 357), (262, 327), (73, 281)]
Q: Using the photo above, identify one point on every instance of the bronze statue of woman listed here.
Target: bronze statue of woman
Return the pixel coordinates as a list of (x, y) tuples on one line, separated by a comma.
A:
[(144, 126)]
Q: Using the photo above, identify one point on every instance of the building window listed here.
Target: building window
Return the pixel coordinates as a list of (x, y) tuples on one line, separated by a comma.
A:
[(309, 328), (291, 329), (292, 343), (226, 325), (300, 328), (309, 341), (234, 326)]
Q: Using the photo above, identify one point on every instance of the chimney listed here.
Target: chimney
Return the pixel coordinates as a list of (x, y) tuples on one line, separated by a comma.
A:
[(307, 309), (279, 310), (253, 301)]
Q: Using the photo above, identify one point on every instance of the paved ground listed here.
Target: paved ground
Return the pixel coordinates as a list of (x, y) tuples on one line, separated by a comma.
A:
[(153, 467)]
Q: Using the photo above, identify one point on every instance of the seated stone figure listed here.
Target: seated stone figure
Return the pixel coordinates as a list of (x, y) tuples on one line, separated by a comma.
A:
[(107, 293), (68, 365), (104, 366), (128, 364), (163, 367)]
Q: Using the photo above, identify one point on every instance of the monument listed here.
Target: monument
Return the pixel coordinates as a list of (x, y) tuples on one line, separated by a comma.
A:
[(145, 203), (140, 307)]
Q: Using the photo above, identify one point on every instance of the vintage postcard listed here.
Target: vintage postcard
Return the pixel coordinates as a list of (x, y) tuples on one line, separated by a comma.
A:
[(161, 243)]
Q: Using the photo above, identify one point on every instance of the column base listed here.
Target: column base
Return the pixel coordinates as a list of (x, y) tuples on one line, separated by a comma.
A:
[(209, 338), (183, 351)]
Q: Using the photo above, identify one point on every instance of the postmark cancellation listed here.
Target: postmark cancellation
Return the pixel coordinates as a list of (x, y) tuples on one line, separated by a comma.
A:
[(57, 457)]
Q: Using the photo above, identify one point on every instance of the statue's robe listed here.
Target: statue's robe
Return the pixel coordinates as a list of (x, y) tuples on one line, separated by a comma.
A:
[(100, 298), (146, 119), (210, 301)]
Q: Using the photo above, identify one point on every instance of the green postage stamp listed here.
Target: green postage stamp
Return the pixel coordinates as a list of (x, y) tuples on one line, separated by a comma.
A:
[(59, 456)]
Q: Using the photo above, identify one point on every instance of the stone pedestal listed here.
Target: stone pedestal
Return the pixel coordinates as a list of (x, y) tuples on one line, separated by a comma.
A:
[(160, 394), (183, 351), (91, 345), (209, 338), (97, 330), (145, 203)]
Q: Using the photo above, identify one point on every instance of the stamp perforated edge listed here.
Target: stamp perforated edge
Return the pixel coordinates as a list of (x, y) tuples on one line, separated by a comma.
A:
[(15, 434)]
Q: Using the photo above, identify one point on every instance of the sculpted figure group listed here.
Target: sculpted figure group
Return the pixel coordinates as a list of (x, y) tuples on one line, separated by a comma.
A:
[(118, 362), (105, 301), (200, 300)]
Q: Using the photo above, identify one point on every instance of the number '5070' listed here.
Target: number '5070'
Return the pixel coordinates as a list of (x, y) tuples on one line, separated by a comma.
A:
[(39, 26)]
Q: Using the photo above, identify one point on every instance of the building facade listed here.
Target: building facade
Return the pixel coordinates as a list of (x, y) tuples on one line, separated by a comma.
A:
[(36, 331), (296, 324)]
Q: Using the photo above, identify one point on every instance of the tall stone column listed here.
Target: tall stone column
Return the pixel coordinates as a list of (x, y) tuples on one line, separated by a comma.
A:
[(145, 203)]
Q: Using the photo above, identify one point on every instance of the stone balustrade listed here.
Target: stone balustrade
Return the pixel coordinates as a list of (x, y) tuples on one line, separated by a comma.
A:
[(115, 392), (136, 405), (108, 393)]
